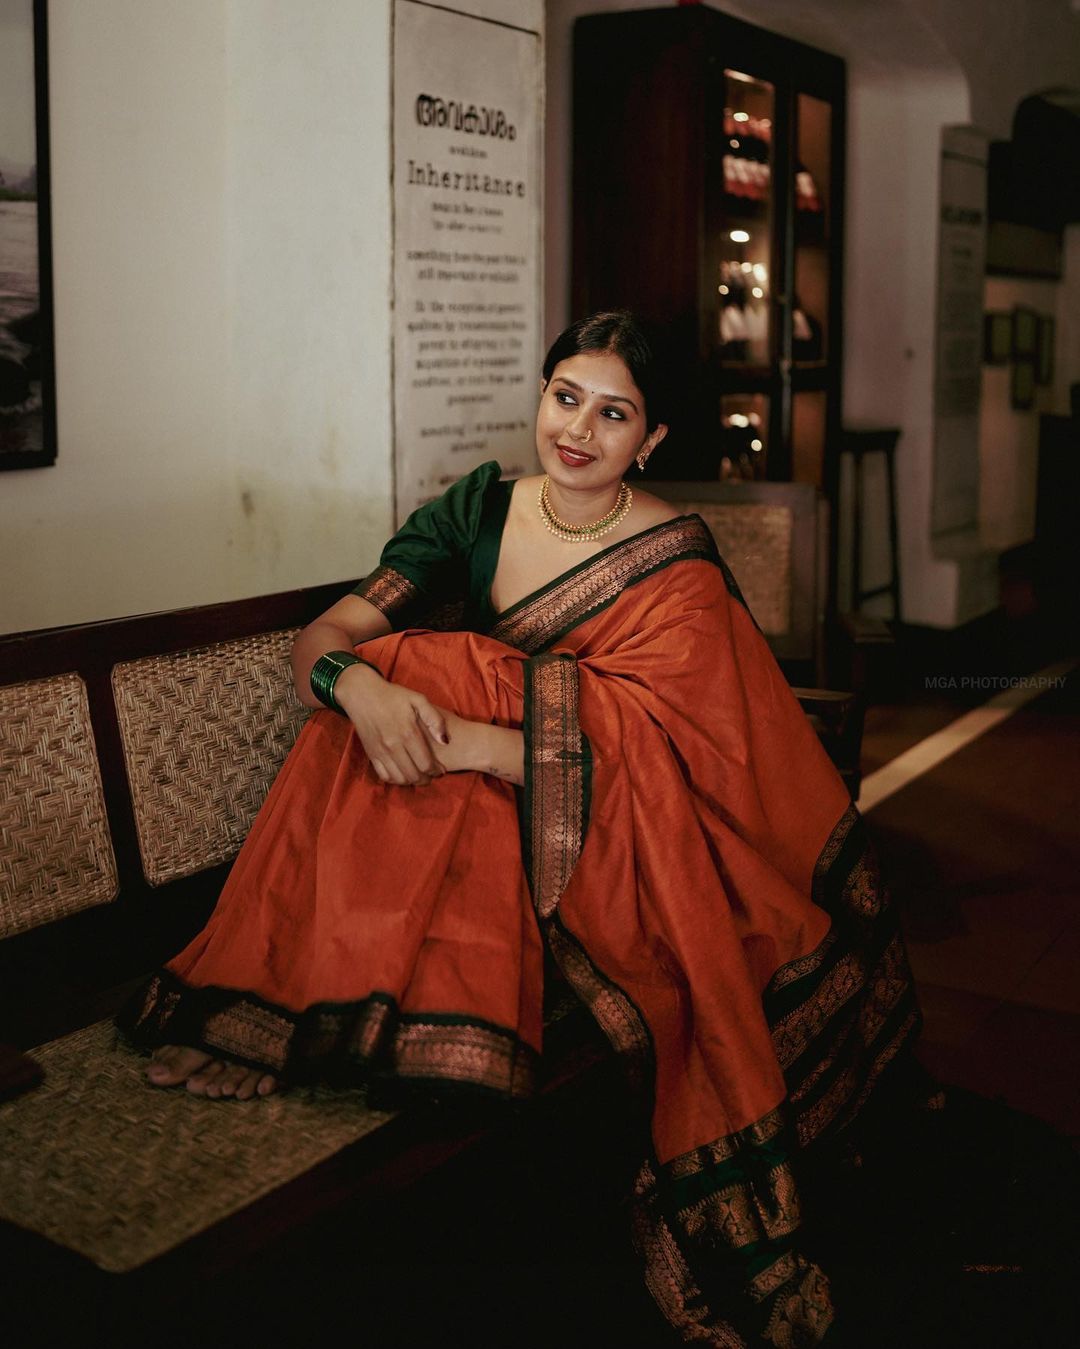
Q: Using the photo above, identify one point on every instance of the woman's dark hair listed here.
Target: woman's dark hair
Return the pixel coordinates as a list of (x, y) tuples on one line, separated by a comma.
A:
[(619, 332)]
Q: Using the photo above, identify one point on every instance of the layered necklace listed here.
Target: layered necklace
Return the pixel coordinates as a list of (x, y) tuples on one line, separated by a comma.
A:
[(584, 533)]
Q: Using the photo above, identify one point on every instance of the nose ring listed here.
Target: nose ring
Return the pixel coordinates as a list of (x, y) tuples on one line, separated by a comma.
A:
[(586, 437)]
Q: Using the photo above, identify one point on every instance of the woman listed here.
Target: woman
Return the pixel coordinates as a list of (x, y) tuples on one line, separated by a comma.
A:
[(680, 844)]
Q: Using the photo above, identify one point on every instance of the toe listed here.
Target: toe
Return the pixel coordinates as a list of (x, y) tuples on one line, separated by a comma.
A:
[(267, 1085), (231, 1079), (204, 1081), (245, 1089), (173, 1064)]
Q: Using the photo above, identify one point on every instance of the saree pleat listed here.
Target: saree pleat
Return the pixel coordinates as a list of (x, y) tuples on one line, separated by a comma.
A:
[(687, 854)]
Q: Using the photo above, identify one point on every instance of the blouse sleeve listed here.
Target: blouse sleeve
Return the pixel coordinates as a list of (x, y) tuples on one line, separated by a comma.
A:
[(425, 564)]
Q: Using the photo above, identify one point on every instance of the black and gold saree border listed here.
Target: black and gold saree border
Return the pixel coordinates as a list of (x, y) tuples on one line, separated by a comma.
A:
[(716, 1228), (558, 775), (612, 1009), (540, 619), (841, 1014), (388, 591), (341, 1043)]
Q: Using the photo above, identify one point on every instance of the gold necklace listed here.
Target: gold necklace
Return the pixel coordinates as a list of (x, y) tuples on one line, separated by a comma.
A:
[(584, 533)]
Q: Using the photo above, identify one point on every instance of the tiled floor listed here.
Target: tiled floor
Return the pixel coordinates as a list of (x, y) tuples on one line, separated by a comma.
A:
[(983, 854)]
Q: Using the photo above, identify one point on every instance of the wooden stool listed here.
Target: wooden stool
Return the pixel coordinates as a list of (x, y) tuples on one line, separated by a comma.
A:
[(859, 442)]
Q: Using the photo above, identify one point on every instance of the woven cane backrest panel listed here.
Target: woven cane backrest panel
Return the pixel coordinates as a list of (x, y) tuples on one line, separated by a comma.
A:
[(56, 855), (755, 541), (204, 733)]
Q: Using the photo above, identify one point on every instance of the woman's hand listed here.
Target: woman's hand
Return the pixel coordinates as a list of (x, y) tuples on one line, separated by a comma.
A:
[(479, 747), (399, 728)]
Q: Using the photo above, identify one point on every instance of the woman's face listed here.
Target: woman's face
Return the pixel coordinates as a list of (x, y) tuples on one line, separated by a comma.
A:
[(591, 424)]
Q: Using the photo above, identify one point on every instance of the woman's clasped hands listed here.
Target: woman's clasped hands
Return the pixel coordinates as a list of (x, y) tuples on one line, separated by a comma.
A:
[(409, 741)]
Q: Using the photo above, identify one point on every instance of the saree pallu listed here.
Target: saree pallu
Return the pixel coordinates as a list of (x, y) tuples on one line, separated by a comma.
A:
[(682, 847)]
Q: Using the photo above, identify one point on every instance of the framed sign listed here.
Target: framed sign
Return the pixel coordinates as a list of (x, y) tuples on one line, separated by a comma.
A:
[(1022, 387), (27, 381), (1025, 332), (1044, 351), (997, 338), (467, 245)]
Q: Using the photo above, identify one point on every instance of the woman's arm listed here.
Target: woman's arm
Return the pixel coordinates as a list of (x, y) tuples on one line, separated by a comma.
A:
[(407, 738), (344, 625), (397, 726), (479, 747)]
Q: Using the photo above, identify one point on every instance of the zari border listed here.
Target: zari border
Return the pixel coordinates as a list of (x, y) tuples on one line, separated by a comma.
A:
[(613, 1010), (839, 1015), (541, 619), (336, 1042), (714, 1226), (387, 590), (558, 772)]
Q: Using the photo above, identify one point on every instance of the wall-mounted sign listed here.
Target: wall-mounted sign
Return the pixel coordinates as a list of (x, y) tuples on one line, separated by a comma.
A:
[(959, 336), (467, 214)]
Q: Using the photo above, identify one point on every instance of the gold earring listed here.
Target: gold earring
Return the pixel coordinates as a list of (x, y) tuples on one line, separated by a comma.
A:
[(642, 459)]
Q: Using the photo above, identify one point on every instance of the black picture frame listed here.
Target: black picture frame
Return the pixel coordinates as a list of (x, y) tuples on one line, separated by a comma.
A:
[(1044, 351), (1022, 388), (28, 437), (997, 337), (1025, 332)]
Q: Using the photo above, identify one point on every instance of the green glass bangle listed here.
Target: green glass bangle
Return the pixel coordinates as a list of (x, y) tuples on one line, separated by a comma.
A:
[(324, 675)]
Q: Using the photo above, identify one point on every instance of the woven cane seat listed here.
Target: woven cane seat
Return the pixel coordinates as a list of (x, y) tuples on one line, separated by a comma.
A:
[(99, 1161), (204, 732), (56, 855), (755, 541)]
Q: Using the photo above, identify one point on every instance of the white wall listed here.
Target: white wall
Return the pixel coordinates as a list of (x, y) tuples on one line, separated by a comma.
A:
[(221, 251)]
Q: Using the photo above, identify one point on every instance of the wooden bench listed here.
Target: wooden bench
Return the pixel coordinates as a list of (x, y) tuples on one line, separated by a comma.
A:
[(134, 755)]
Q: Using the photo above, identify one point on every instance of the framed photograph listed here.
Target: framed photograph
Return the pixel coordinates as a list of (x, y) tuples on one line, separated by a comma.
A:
[(1044, 351), (1023, 384), (997, 338), (1025, 331), (27, 380)]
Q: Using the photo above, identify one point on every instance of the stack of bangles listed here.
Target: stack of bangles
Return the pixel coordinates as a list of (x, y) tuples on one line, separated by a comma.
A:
[(325, 673)]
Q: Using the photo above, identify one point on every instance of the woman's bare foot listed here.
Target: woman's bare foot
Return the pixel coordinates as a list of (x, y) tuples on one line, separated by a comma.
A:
[(207, 1076)]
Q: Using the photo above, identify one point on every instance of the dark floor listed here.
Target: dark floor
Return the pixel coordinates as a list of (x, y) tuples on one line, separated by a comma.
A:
[(983, 855)]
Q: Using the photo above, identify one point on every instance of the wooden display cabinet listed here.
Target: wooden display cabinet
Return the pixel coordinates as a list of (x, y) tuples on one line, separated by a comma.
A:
[(707, 195)]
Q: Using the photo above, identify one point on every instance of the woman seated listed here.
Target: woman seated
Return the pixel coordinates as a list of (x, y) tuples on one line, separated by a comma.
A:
[(602, 760)]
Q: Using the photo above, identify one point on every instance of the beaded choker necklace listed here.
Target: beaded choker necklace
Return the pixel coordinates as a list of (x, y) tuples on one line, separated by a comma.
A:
[(584, 533)]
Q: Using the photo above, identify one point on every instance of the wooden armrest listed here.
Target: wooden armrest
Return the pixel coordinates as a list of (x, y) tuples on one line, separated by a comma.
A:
[(837, 718), (865, 630)]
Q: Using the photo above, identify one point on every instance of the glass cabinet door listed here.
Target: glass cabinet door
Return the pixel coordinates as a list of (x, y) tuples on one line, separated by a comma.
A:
[(811, 289), (745, 229), (744, 434), (810, 300)]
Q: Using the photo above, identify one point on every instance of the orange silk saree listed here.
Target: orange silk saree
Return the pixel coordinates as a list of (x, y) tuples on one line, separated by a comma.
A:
[(682, 846)]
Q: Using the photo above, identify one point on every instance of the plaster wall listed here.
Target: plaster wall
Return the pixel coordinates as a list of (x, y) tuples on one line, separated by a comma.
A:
[(221, 234), (222, 256)]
